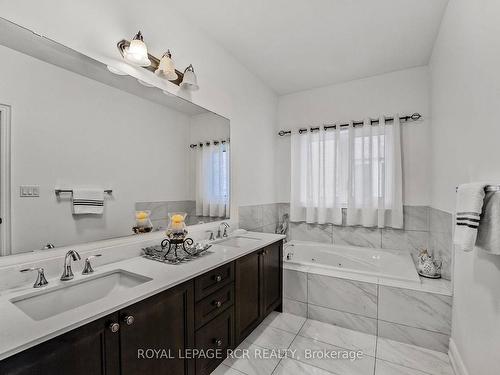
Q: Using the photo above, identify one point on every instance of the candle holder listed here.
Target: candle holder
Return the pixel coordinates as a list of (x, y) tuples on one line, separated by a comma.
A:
[(175, 244), (143, 222), (177, 235)]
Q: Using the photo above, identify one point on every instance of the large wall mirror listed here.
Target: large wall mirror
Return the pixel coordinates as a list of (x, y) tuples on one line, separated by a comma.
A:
[(75, 128)]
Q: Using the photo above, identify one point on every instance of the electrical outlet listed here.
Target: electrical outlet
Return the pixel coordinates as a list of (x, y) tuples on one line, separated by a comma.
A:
[(29, 191)]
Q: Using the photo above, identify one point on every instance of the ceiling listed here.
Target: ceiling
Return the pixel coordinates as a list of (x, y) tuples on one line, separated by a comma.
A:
[(294, 45)]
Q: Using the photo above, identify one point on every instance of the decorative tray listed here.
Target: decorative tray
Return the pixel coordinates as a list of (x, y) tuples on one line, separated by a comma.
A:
[(180, 255)]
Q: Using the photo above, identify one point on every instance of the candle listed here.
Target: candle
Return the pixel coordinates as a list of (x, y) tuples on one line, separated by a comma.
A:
[(177, 222)]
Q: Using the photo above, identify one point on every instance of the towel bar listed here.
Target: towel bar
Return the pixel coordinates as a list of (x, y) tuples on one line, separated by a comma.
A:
[(59, 191), (488, 188)]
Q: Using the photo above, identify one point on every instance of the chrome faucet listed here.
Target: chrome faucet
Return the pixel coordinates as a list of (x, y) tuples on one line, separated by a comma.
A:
[(224, 234), (211, 235), (68, 272), (40, 279)]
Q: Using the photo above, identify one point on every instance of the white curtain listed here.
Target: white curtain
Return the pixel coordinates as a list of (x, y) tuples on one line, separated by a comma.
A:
[(356, 168), (212, 180)]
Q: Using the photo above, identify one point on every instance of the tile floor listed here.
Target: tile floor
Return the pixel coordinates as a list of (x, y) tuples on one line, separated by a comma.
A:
[(287, 331)]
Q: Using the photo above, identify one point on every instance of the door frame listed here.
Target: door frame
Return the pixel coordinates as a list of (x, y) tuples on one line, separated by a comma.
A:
[(5, 176)]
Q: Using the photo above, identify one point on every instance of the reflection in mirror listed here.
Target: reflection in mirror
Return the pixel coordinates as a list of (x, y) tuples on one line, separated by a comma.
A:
[(154, 153), (208, 177)]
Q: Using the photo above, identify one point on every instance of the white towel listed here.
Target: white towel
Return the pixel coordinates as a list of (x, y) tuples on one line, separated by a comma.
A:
[(88, 201), (488, 234), (470, 199)]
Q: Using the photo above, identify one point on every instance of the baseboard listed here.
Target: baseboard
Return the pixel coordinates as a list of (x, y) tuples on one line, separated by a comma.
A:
[(456, 360)]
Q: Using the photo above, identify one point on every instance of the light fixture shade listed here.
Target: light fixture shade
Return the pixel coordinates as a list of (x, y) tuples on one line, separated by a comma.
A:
[(137, 52), (190, 82), (166, 68)]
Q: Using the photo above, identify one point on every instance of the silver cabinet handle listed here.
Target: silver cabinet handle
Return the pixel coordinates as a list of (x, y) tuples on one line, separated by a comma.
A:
[(217, 304), (40, 279), (114, 327), (129, 320), (218, 342), (218, 278)]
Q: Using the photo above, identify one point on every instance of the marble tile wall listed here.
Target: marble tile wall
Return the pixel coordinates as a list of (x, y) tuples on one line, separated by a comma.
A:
[(259, 218), (404, 315), (441, 238), (424, 228)]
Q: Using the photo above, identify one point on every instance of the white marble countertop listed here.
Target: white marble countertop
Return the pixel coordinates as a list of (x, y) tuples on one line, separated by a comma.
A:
[(18, 331)]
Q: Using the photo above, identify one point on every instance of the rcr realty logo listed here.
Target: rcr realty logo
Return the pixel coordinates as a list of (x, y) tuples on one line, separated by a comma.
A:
[(254, 353)]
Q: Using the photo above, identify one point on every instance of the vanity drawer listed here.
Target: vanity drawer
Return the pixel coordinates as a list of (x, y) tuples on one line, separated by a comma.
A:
[(211, 306), (213, 280), (214, 338)]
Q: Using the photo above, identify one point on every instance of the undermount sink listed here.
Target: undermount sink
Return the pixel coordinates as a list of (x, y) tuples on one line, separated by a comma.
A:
[(45, 304), (238, 241)]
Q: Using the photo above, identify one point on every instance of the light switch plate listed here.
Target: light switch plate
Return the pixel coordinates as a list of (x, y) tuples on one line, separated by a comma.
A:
[(29, 191)]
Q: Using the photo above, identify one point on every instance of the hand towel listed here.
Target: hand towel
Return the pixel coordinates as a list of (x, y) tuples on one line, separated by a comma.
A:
[(88, 201), (470, 199), (488, 234)]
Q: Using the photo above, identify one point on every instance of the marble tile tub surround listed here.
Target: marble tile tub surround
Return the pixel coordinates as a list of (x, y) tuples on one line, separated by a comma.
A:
[(409, 316), (380, 356), (424, 227)]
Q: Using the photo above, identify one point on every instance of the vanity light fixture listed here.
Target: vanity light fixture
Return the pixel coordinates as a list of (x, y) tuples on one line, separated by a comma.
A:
[(189, 81), (166, 69), (137, 52)]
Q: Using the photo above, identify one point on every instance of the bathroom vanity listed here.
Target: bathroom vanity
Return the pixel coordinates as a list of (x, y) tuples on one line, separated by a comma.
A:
[(155, 158), (210, 312)]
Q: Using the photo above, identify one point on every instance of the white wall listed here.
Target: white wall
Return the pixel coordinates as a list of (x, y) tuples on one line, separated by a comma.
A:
[(465, 72), (68, 130), (93, 27), (404, 92)]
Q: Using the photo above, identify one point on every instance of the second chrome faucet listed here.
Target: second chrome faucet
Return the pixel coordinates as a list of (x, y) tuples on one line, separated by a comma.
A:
[(67, 271), (73, 255)]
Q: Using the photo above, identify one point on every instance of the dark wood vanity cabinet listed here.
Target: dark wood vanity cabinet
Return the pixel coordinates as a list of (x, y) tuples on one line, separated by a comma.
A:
[(214, 311), (163, 323), (272, 275), (259, 287), (90, 349), (248, 291), (117, 344)]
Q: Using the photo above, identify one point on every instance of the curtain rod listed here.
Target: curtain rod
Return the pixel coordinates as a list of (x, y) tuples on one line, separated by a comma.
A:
[(208, 143), (413, 117)]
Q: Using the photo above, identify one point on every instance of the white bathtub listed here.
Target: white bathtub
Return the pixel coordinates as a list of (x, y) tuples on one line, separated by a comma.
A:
[(378, 263)]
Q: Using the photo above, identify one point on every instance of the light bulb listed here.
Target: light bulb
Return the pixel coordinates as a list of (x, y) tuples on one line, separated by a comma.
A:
[(166, 68), (190, 82), (137, 52)]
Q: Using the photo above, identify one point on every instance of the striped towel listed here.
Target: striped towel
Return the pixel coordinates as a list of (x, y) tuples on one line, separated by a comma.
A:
[(470, 199), (88, 201)]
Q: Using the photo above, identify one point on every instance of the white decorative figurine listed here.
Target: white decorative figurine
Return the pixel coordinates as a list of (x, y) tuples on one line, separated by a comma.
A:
[(428, 266)]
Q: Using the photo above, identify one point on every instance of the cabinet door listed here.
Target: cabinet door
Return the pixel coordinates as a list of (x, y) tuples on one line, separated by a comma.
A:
[(247, 294), (272, 260), (163, 323), (215, 338), (91, 349)]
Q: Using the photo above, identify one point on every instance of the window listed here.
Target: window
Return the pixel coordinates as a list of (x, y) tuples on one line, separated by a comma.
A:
[(357, 168)]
